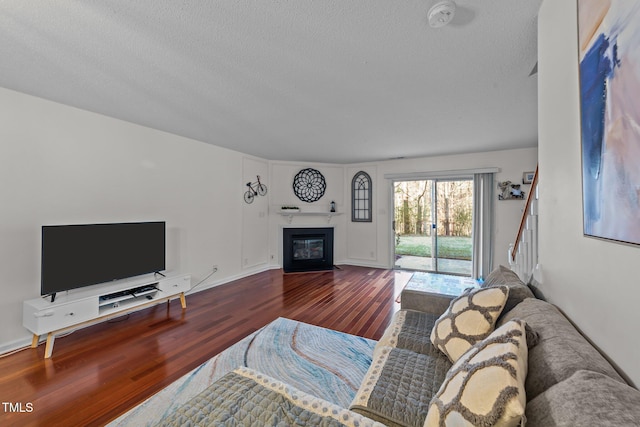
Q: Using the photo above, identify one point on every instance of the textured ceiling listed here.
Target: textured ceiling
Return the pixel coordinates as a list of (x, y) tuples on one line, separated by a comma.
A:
[(338, 81)]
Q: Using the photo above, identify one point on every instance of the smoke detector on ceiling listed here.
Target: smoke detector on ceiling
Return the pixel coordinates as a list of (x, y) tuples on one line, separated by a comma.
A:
[(441, 13)]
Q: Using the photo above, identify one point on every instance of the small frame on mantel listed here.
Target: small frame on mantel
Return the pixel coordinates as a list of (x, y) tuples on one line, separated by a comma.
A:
[(527, 177)]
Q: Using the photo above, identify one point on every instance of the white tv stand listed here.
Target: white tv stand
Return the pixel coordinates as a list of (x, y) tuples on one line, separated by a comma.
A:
[(83, 307)]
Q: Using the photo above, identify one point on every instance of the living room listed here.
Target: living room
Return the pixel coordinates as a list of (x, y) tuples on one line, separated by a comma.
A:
[(64, 165), (85, 174)]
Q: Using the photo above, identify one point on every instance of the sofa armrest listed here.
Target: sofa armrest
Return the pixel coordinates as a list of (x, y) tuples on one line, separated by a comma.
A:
[(425, 301)]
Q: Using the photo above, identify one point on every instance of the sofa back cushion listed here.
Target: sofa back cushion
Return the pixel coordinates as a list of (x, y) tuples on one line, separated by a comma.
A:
[(518, 291), (561, 350), (501, 275), (586, 399)]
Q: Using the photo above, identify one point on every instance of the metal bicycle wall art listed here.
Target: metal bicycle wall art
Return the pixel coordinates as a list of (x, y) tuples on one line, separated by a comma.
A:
[(254, 189)]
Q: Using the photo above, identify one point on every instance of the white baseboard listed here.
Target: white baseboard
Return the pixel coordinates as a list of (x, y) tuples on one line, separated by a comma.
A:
[(26, 342), (265, 267), (18, 344), (242, 275), (364, 263)]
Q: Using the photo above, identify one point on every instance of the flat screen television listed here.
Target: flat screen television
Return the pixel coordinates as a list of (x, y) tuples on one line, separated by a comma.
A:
[(74, 256)]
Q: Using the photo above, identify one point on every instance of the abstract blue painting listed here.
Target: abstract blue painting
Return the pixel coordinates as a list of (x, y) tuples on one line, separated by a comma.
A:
[(609, 43)]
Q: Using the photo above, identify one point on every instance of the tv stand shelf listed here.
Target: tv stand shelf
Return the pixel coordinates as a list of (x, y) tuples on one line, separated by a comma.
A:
[(128, 297), (87, 306)]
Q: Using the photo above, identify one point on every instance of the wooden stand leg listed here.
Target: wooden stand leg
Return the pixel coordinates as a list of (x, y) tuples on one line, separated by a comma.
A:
[(35, 340), (183, 300), (48, 349)]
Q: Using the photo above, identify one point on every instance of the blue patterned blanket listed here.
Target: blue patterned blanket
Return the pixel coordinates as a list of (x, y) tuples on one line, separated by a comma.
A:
[(321, 362)]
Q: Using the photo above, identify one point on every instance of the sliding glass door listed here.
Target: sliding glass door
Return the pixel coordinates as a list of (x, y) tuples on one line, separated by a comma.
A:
[(433, 221)]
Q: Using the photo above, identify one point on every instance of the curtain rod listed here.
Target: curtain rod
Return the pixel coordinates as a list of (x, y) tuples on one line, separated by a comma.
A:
[(439, 174)]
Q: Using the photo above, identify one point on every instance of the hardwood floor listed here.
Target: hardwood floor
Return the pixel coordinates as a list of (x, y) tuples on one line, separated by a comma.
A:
[(99, 372)]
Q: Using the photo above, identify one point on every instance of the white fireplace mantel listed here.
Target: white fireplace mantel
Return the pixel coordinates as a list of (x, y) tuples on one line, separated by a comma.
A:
[(289, 215)]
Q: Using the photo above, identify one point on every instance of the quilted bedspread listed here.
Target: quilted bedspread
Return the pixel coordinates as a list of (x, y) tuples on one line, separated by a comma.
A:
[(406, 372), (245, 397)]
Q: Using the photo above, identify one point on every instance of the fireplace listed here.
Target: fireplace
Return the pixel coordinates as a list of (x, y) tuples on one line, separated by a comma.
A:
[(307, 249)]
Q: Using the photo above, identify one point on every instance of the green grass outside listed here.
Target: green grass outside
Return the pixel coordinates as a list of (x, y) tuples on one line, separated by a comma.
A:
[(448, 247)]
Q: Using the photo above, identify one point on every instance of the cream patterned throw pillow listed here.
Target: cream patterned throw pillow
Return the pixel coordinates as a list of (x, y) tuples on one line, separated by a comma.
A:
[(485, 387), (470, 318)]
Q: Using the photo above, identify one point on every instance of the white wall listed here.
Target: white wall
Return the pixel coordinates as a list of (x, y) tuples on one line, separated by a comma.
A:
[(363, 239), (594, 282), (282, 175), (370, 244), (255, 215), (511, 163), (61, 165)]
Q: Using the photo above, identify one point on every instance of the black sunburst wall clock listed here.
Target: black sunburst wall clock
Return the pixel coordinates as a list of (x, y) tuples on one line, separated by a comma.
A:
[(309, 185)]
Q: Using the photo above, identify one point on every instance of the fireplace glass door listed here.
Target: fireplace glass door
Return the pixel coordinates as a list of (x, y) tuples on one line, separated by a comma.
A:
[(308, 249)]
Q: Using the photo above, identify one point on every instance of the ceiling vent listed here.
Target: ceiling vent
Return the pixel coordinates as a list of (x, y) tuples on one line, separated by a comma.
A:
[(441, 13)]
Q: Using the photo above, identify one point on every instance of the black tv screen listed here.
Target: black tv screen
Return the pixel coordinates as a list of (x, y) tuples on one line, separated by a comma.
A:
[(74, 256)]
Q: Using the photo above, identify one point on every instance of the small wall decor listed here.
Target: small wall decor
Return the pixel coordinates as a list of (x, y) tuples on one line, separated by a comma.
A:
[(254, 189), (509, 191), (309, 185), (609, 55), (289, 208), (361, 194), (527, 177)]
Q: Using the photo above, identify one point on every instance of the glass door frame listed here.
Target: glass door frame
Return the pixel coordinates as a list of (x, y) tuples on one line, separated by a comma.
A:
[(435, 246), (436, 178)]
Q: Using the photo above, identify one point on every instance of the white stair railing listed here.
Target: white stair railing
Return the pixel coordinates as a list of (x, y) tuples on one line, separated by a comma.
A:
[(523, 253)]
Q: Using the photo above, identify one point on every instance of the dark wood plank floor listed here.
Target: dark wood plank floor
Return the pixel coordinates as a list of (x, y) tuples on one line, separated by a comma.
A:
[(99, 372)]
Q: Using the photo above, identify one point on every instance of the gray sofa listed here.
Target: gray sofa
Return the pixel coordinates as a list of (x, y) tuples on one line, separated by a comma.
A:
[(568, 383)]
